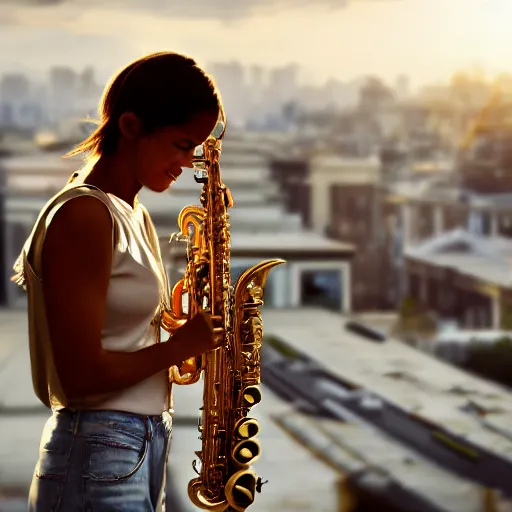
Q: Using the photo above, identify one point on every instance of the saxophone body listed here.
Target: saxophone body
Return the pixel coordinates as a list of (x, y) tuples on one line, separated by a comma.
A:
[(231, 372)]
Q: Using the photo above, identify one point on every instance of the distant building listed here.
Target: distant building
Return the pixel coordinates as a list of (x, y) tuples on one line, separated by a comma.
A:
[(463, 278), (18, 106), (455, 345), (317, 270), (292, 175), (342, 203)]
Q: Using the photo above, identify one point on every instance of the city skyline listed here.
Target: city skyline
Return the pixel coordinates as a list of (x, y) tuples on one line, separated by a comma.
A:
[(425, 39)]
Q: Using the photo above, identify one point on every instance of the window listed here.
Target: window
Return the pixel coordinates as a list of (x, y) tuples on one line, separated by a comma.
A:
[(321, 288)]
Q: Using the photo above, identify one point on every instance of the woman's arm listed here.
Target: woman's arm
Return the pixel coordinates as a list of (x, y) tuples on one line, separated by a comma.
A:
[(76, 266)]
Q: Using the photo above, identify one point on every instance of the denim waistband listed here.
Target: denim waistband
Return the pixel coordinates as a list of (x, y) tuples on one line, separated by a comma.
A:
[(111, 413), (88, 421)]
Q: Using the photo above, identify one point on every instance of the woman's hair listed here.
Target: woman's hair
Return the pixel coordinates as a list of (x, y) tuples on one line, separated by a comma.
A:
[(161, 89)]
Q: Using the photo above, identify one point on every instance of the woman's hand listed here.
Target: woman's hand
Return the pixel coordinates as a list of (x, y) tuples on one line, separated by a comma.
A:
[(196, 336)]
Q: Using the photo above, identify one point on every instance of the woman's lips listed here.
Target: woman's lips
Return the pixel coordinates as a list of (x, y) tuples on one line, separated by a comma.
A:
[(172, 175)]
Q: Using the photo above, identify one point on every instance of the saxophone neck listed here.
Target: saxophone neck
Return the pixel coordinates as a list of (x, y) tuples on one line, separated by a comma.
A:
[(207, 155)]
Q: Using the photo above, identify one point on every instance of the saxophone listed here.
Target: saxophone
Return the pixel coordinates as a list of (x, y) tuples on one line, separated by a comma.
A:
[(231, 372)]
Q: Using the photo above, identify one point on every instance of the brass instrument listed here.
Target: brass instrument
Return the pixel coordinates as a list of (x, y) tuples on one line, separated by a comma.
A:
[(231, 372)]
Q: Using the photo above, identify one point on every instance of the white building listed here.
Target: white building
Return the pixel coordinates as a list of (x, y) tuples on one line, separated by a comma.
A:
[(317, 269), (329, 170)]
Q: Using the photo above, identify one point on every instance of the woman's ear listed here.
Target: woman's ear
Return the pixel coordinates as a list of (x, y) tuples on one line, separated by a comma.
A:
[(130, 125)]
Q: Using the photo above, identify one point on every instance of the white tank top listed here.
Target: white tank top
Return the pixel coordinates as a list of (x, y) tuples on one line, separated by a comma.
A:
[(137, 292), (137, 287)]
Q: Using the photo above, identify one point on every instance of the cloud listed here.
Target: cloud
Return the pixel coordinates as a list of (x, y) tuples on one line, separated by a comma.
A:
[(8, 17), (109, 33), (228, 10)]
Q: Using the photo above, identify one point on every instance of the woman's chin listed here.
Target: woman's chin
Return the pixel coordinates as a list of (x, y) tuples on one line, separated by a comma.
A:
[(161, 186)]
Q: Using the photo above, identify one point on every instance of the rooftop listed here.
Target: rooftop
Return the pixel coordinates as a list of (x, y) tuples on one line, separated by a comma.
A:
[(270, 217), (427, 188), (299, 242), (335, 161), (467, 336), (485, 258), (379, 463), (41, 162), (299, 480), (479, 267), (440, 189), (275, 243), (418, 383)]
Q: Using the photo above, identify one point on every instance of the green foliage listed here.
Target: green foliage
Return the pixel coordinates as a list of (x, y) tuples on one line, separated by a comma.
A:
[(280, 346), (408, 307), (506, 316), (413, 321)]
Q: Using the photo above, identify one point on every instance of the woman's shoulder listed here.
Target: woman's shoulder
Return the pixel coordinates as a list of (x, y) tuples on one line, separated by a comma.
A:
[(85, 209), (81, 204), (78, 208)]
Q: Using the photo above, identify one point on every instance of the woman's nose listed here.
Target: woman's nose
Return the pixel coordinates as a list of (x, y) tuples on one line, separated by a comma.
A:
[(186, 161)]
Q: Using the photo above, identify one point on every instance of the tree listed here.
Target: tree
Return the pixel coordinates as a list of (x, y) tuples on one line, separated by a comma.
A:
[(506, 315), (414, 322)]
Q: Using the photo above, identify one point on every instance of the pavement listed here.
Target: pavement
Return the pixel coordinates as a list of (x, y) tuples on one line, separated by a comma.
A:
[(22, 417), (298, 482)]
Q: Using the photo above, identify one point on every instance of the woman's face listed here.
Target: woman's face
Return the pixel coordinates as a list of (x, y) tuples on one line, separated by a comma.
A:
[(161, 155)]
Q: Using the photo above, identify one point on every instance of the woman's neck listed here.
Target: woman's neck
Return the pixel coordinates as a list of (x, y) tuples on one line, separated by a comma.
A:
[(114, 175)]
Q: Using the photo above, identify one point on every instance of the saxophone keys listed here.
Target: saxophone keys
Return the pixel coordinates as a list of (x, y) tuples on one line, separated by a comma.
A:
[(218, 330), (216, 319), (260, 484), (189, 366), (229, 201)]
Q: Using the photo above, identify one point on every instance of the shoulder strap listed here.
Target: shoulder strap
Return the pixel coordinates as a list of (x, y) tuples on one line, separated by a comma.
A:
[(31, 252)]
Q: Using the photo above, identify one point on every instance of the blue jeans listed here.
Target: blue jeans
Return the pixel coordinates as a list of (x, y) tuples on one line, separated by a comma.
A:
[(99, 461)]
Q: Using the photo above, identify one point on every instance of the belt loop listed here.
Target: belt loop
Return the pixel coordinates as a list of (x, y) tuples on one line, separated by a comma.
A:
[(149, 428), (77, 421)]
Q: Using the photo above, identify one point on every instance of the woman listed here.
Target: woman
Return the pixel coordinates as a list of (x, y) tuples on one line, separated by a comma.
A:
[(96, 289)]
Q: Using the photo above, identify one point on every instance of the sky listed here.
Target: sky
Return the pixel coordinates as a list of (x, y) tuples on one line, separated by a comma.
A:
[(425, 39)]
